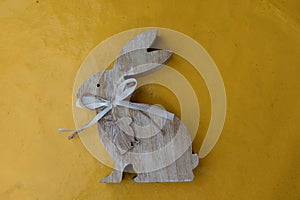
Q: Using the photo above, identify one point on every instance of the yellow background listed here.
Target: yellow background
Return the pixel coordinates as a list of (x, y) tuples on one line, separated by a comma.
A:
[(255, 44)]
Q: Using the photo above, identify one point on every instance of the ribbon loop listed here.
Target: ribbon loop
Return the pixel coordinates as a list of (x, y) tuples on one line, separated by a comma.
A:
[(125, 89)]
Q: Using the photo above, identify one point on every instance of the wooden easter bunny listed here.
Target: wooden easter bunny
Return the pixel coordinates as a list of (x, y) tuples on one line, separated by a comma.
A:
[(154, 142)]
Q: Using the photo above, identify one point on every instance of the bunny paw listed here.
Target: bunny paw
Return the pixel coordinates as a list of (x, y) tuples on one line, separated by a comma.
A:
[(115, 177)]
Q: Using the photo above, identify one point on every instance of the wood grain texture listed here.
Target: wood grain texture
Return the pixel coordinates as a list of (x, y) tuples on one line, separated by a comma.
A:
[(157, 149)]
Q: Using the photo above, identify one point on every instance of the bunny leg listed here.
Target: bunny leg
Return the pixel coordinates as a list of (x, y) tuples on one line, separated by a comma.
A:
[(116, 176), (179, 171)]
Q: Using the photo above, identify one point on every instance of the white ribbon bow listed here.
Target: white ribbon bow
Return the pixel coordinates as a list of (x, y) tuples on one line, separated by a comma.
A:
[(91, 102)]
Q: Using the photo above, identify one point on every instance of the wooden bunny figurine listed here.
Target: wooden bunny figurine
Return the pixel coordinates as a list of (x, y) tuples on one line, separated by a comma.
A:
[(154, 142)]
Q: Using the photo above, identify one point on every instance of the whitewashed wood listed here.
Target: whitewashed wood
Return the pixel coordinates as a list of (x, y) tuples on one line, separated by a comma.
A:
[(142, 41), (117, 132)]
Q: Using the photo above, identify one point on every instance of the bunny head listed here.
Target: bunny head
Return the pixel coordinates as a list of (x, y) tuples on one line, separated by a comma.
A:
[(136, 59)]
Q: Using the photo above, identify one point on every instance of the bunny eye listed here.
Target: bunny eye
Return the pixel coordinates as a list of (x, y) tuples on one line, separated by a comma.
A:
[(98, 85)]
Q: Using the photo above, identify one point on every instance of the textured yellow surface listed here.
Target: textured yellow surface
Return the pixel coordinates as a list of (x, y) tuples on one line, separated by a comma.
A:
[(256, 45)]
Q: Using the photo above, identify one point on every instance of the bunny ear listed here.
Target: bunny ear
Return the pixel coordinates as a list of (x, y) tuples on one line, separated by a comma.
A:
[(137, 58), (140, 62), (142, 41), (152, 61)]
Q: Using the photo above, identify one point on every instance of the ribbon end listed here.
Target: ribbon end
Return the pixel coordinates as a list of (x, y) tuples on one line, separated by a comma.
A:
[(73, 135), (60, 130), (171, 116)]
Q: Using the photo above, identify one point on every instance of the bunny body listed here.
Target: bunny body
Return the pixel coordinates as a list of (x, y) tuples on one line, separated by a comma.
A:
[(158, 148), (178, 171)]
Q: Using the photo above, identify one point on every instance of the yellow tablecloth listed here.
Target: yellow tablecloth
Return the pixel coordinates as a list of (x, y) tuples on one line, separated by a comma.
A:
[(255, 44)]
